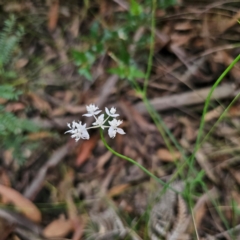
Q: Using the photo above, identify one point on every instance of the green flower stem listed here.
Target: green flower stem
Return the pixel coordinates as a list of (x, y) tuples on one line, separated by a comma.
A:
[(135, 163), (200, 132), (220, 118), (152, 38)]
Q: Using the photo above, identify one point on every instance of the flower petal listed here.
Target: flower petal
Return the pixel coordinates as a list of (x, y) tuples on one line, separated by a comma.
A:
[(107, 111), (69, 131), (113, 123), (97, 112), (88, 114), (85, 134), (112, 132), (120, 131)]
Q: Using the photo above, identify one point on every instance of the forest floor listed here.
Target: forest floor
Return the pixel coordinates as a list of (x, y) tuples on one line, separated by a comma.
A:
[(157, 63)]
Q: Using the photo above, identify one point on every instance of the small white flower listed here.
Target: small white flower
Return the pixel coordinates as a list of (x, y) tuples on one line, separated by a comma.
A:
[(113, 129), (111, 113), (78, 131), (99, 121), (92, 110)]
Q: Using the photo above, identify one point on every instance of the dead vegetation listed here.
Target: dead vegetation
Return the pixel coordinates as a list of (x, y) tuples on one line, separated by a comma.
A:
[(74, 53)]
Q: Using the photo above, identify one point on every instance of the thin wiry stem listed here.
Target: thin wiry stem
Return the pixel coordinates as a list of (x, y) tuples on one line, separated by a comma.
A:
[(149, 66), (135, 163)]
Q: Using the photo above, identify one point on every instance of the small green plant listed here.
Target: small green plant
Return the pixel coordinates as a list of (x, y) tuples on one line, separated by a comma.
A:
[(115, 42), (9, 38), (11, 126)]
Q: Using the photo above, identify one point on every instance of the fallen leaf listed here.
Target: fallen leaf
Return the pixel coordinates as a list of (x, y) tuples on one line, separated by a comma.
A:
[(58, 228), (200, 208), (213, 114), (38, 135), (23, 204), (3, 100), (183, 26), (189, 132), (166, 156), (53, 15), (235, 174), (4, 178), (102, 160), (117, 190), (8, 157), (22, 62), (85, 150), (13, 107), (39, 103), (14, 7), (206, 166)]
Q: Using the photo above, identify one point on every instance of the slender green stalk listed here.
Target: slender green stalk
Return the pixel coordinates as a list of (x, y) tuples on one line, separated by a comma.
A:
[(220, 118), (200, 132), (149, 65), (135, 163), (163, 129)]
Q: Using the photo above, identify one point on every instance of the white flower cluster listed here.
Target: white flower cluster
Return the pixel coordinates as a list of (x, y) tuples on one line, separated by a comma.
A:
[(79, 131)]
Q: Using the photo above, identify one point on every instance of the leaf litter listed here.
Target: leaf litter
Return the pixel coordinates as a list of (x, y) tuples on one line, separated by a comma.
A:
[(81, 191)]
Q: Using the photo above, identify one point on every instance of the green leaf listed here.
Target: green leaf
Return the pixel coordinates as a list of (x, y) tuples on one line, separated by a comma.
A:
[(135, 8), (129, 73), (9, 92), (85, 58), (86, 73), (167, 3), (79, 58), (120, 71), (135, 73)]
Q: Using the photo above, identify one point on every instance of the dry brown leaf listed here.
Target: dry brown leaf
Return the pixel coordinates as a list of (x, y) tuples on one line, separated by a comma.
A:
[(199, 212), (53, 15), (39, 103), (68, 108), (178, 39), (78, 223), (183, 26), (165, 156), (58, 228), (200, 208), (102, 160), (8, 157), (117, 190), (229, 23), (213, 114), (206, 166), (235, 174), (181, 222), (13, 107), (22, 62), (23, 204), (74, 27), (60, 111), (85, 150), (38, 135), (234, 111), (224, 58), (3, 100), (15, 6), (4, 178), (189, 131)]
